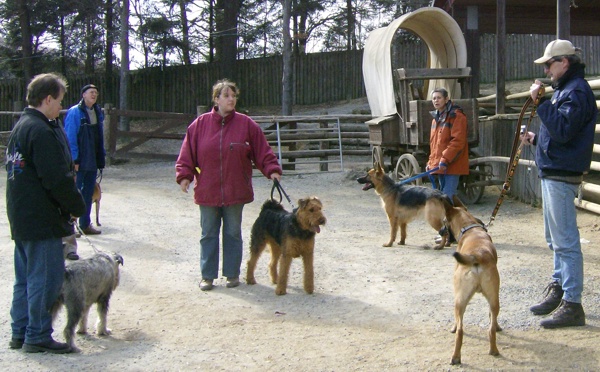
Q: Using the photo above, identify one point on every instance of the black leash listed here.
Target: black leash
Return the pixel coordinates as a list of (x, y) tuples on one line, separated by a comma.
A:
[(99, 176), (280, 190)]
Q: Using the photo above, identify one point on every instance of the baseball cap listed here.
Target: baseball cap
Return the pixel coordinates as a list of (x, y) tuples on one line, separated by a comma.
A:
[(89, 86), (556, 48)]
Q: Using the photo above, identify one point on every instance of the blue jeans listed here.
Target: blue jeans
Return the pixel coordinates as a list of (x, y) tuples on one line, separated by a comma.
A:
[(447, 183), (39, 274), (86, 181), (210, 223), (562, 236)]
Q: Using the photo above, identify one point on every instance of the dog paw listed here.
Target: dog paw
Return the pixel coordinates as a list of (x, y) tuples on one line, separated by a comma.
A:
[(250, 281), (455, 361), (438, 247), (280, 292), (82, 331), (387, 245), (104, 332)]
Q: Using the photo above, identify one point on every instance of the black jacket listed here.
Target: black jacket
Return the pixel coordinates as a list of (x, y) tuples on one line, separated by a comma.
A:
[(41, 194), (566, 138)]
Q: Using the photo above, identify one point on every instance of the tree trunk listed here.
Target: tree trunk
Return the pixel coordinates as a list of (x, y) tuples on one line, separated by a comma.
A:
[(185, 29), (287, 80), (228, 36), (108, 61), (26, 41), (124, 76)]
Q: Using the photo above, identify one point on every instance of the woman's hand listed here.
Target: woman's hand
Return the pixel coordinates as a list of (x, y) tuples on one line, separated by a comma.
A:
[(184, 184), (276, 176)]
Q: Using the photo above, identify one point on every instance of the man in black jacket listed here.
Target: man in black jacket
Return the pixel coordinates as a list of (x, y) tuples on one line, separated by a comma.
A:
[(564, 147), (41, 201)]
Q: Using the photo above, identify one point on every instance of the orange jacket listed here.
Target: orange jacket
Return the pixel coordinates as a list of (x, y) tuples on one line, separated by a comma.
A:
[(448, 141)]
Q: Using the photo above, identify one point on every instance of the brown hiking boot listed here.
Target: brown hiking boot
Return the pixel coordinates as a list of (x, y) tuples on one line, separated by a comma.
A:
[(569, 314), (553, 296)]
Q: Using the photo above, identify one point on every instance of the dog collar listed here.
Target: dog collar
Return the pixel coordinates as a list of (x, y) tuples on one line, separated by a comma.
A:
[(469, 227)]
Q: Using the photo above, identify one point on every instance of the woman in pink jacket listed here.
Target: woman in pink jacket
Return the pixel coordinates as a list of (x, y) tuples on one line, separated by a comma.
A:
[(218, 151)]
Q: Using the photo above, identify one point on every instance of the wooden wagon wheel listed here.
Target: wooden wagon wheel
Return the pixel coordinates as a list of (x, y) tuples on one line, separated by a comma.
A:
[(407, 166), (377, 156), (468, 191)]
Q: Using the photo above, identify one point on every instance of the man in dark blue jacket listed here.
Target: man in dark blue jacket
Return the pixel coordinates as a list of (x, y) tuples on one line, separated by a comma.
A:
[(41, 200), (564, 152), (84, 126)]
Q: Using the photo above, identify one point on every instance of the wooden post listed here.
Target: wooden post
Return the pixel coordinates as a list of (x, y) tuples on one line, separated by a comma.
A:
[(290, 165), (17, 107), (563, 19), (111, 136), (500, 57), (324, 145), (473, 51)]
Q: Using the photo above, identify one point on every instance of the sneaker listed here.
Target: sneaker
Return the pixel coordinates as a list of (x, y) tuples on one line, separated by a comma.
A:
[(437, 239), (233, 282), (553, 296), (91, 231), (72, 256), (569, 314), (206, 284), (16, 343), (47, 346)]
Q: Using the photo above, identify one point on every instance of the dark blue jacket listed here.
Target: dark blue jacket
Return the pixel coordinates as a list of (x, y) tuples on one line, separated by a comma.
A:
[(41, 194), (566, 137), (86, 140)]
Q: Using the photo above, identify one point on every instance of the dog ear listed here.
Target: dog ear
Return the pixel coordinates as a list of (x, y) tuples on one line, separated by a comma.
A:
[(378, 167), (458, 203), (302, 203), (118, 258)]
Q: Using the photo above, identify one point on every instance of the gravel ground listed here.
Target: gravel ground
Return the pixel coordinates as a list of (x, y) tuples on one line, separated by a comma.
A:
[(374, 308)]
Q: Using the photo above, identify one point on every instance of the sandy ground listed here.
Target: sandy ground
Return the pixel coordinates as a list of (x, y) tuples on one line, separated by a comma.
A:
[(374, 308)]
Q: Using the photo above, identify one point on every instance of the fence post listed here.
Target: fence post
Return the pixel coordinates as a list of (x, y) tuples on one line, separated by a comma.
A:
[(17, 107), (324, 145), (110, 135)]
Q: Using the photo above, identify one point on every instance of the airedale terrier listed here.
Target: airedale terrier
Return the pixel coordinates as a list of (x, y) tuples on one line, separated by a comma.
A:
[(289, 235)]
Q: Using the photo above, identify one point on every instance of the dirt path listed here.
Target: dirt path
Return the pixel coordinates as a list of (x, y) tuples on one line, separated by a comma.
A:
[(374, 308)]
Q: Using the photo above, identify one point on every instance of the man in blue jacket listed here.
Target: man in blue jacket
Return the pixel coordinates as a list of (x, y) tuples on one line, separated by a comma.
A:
[(564, 152), (41, 200), (84, 126)]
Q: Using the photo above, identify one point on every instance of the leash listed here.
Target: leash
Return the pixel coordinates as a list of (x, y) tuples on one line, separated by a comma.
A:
[(99, 176), (516, 149), (74, 223), (277, 186), (420, 175)]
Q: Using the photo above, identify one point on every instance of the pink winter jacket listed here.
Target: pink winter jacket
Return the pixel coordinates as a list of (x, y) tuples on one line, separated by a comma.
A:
[(219, 153)]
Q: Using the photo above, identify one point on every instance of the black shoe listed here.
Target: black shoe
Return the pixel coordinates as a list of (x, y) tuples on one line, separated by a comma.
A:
[(72, 256), (48, 346), (569, 314), (16, 343), (553, 297)]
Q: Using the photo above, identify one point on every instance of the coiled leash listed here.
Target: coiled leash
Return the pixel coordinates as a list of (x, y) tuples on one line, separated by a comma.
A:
[(277, 185), (516, 149)]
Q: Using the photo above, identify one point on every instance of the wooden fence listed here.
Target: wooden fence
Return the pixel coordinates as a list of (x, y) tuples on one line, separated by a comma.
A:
[(319, 77)]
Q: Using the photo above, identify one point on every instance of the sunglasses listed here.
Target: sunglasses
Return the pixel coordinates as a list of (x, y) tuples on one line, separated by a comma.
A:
[(550, 62)]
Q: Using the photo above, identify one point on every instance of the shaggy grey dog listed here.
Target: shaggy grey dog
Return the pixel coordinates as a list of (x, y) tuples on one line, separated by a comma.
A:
[(88, 281)]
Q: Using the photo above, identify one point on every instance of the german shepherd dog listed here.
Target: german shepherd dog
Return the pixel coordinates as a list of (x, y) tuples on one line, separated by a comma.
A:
[(403, 203), (289, 235), (475, 271)]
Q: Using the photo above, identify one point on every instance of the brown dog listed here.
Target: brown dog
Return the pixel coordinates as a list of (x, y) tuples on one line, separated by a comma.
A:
[(96, 200), (404, 203), (475, 271), (289, 235)]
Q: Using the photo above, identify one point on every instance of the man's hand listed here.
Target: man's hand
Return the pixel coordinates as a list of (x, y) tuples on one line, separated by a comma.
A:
[(527, 138), (534, 89)]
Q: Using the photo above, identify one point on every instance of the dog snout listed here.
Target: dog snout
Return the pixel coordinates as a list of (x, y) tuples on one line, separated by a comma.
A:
[(322, 220)]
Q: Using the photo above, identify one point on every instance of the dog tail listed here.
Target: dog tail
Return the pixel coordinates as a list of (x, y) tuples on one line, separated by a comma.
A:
[(467, 260)]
